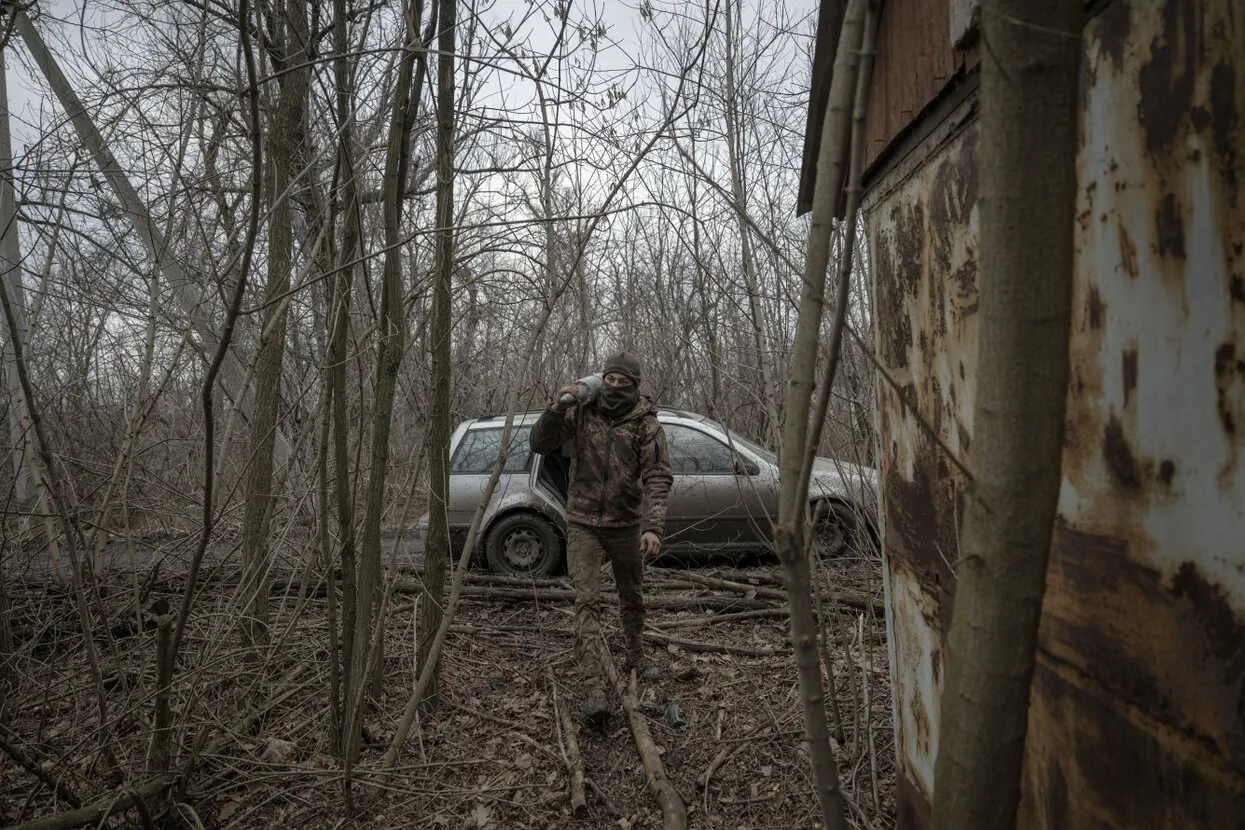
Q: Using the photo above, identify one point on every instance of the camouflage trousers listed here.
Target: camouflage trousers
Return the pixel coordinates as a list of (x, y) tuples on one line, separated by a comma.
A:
[(587, 548)]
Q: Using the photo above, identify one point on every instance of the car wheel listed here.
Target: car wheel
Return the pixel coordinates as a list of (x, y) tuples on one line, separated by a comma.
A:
[(523, 544), (834, 533)]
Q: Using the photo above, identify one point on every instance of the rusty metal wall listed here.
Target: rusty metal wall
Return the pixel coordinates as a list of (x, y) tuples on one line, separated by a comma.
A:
[(1138, 710), (922, 230)]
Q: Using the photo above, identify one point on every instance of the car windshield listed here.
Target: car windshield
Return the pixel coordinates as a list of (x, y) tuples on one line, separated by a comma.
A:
[(739, 440)]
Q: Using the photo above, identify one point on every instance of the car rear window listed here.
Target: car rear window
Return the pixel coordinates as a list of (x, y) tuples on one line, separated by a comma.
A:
[(477, 452)]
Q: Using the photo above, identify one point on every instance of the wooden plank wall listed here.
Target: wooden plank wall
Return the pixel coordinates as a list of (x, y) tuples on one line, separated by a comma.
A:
[(915, 61)]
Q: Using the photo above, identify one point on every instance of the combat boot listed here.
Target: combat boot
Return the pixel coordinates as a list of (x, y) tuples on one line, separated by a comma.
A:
[(645, 668)]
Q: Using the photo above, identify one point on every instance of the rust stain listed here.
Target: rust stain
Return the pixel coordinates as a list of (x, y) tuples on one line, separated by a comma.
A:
[(965, 281), (1224, 119), (1096, 308), (1124, 466), (1121, 766), (1225, 632), (1227, 367), (920, 513), (1130, 373), (951, 198), (1168, 81), (1169, 227), (1114, 26), (1167, 472), (899, 256), (924, 735), (912, 806), (1128, 253), (1173, 649)]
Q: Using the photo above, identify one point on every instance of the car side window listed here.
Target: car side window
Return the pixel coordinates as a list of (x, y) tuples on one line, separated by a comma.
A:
[(478, 450), (693, 453)]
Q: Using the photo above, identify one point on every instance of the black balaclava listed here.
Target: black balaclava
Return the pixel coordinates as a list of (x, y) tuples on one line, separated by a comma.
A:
[(615, 403)]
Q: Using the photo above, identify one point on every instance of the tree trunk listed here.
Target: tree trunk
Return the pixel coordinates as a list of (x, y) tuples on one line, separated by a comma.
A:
[(11, 265), (338, 320), (789, 531), (284, 140), (389, 350), (435, 559), (739, 198), (1029, 77)]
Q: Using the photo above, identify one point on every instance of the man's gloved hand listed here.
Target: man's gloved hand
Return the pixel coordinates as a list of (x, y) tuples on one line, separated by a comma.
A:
[(650, 545), (557, 405)]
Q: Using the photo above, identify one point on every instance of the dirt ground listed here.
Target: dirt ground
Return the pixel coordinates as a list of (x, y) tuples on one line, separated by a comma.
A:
[(726, 716)]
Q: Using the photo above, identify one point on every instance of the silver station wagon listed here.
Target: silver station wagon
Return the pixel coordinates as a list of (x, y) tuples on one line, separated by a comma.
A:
[(723, 500)]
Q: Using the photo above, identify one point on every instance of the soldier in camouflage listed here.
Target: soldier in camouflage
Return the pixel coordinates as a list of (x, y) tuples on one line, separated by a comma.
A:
[(615, 510)]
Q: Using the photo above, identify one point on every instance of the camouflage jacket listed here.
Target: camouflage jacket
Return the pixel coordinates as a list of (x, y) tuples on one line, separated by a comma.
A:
[(620, 470)]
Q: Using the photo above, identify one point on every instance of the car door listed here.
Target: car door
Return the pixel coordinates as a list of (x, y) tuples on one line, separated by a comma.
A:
[(711, 502), (472, 464)]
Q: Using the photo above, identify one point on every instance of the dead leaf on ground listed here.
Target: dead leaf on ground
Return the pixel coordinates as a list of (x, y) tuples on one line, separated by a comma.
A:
[(482, 815), (278, 751)]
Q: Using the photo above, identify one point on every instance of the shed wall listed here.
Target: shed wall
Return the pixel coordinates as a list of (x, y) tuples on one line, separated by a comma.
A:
[(1138, 711)]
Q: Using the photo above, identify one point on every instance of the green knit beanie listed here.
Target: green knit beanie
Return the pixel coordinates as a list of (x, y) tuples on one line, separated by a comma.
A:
[(623, 363)]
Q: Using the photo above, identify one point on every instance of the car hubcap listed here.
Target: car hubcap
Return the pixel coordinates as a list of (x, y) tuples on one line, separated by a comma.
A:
[(523, 549), (830, 539)]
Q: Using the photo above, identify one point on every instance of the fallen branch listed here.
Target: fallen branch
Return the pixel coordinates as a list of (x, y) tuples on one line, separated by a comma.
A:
[(569, 743), (719, 648), (846, 596), (109, 805), (555, 595), (59, 787), (757, 614), (859, 601), (716, 619), (759, 577), (726, 584), (724, 754), (673, 809)]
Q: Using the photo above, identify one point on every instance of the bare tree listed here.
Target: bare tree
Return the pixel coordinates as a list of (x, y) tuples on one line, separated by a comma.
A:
[(389, 351), (789, 534), (1030, 72), (285, 141)]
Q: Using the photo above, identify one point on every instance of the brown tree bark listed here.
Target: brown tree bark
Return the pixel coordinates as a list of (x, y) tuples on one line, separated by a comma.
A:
[(435, 559), (284, 140), (338, 320), (789, 532), (849, 83), (1030, 64), (391, 339)]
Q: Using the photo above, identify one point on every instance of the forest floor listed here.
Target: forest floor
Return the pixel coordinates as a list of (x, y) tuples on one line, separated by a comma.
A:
[(726, 716)]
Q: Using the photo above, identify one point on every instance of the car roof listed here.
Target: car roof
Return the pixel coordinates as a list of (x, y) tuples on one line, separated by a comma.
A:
[(526, 417)]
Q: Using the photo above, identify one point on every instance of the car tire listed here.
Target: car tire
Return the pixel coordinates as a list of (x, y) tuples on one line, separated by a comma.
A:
[(523, 544), (836, 531)]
